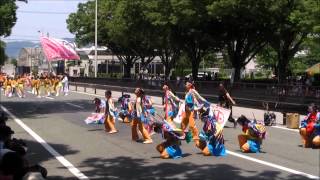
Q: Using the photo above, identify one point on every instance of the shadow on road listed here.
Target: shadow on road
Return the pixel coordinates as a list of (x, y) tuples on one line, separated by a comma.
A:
[(38, 110), (37, 154), (130, 168)]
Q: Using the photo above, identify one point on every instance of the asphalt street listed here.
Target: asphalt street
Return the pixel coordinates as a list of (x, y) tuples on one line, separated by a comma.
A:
[(59, 121)]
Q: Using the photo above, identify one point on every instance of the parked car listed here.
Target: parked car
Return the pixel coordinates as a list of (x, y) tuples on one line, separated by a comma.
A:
[(201, 75)]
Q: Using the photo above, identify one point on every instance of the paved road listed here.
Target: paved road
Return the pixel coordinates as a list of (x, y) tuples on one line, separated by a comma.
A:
[(59, 122)]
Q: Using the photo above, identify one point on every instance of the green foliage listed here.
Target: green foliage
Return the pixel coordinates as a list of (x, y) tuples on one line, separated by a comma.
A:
[(244, 25), (267, 58), (7, 21), (293, 22), (184, 33), (14, 62), (3, 56), (7, 16)]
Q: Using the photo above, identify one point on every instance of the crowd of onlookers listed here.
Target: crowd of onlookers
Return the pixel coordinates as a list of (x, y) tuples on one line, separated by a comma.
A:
[(13, 162)]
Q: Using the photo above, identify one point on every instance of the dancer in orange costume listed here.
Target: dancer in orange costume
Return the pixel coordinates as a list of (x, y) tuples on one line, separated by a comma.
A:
[(139, 118), (192, 101), (111, 114)]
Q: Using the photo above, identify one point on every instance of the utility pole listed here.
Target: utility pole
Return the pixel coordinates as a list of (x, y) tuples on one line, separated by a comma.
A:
[(96, 40)]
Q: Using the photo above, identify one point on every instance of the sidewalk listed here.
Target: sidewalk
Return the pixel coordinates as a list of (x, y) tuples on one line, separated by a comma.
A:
[(237, 111)]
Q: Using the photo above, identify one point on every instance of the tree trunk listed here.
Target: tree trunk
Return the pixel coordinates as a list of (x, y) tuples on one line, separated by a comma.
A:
[(237, 74), (127, 67), (236, 64), (195, 68), (283, 60), (282, 71), (167, 71)]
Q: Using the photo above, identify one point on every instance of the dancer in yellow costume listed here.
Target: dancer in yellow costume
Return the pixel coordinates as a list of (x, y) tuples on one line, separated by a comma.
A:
[(47, 85), (14, 85), (57, 85), (37, 85), (8, 87), (20, 86), (32, 84)]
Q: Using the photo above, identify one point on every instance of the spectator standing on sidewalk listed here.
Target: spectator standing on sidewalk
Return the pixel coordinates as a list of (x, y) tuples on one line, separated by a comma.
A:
[(65, 83), (226, 101)]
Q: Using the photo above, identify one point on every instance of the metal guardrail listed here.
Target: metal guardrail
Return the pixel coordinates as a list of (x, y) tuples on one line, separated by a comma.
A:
[(248, 97), (209, 87)]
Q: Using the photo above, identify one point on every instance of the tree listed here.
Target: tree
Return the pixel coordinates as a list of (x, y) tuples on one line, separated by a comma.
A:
[(3, 56), (244, 25), (129, 28), (14, 62), (81, 23), (306, 57), (158, 13), (267, 59), (122, 28), (7, 21), (7, 16), (293, 21), (192, 27), (181, 26)]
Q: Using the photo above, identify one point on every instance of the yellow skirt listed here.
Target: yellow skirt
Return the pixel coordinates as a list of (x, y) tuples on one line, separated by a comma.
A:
[(20, 86)]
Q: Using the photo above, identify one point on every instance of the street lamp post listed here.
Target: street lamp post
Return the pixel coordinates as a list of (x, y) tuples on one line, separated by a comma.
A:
[(96, 40)]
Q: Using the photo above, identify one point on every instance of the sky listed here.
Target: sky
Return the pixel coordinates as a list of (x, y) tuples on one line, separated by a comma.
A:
[(47, 16)]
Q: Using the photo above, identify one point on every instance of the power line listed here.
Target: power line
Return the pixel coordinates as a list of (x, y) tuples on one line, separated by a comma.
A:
[(22, 36), (19, 39), (43, 12)]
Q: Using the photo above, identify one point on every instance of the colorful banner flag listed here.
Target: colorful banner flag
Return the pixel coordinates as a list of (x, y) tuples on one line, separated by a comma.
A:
[(221, 114), (58, 49)]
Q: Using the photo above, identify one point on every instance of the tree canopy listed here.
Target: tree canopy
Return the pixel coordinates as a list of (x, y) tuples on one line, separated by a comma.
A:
[(7, 21), (142, 29)]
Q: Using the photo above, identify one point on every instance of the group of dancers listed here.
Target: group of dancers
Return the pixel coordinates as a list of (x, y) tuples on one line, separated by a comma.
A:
[(178, 123), (41, 86)]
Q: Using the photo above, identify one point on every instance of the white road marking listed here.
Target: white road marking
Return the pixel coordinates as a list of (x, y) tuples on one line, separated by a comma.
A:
[(74, 105), (273, 165), (96, 95), (52, 151), (284, 128), (51, 98)]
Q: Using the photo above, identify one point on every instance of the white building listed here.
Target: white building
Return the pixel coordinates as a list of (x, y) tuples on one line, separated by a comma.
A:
[(108, 63), (30, 59)]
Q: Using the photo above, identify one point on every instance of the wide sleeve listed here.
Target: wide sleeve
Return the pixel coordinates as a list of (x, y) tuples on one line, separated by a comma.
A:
[(111, 105), (198, 96), (170, 94), (138, 107)]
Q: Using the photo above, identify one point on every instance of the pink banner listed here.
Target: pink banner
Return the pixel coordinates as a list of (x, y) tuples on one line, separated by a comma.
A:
[(58, 49)]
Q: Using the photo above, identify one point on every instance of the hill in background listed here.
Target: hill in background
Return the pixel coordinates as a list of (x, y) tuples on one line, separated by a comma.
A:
[(13, 48)]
